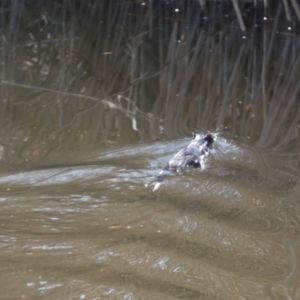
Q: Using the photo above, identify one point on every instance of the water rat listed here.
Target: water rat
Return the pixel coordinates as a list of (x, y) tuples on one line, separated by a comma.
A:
[(192, 156)]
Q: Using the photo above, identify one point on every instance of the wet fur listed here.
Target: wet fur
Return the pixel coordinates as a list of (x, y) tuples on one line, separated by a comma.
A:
[(190, 157)]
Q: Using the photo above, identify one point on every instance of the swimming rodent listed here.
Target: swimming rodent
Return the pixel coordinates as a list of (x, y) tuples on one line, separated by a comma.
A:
[(190, 157)]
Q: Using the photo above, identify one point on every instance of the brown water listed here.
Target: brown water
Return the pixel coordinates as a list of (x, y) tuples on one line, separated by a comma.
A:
[(96, 231), (95, 98)]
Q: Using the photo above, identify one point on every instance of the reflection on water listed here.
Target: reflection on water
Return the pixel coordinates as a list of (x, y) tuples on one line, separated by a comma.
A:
[(95, 99), (91, 231)]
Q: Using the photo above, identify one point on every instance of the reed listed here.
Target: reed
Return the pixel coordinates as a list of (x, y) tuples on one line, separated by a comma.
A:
[(118, 72)]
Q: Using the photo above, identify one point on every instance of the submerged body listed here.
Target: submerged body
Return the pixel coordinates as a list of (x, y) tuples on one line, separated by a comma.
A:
[(190, 157)]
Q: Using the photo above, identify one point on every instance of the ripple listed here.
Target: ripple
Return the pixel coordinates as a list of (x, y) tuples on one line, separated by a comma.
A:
[(201, 235), (255, 167)]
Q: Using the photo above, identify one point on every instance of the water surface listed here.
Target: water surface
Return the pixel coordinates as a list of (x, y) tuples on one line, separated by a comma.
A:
[(96, 97), (96, 231)]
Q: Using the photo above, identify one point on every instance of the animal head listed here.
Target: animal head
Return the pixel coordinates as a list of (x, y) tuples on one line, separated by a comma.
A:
[(207, 138)]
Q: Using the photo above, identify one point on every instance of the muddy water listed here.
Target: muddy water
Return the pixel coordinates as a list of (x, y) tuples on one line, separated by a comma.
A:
[(84, 223), (93, 229)]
